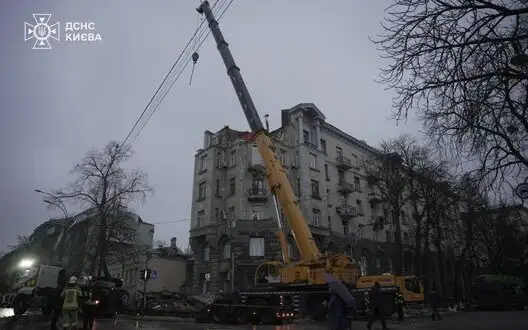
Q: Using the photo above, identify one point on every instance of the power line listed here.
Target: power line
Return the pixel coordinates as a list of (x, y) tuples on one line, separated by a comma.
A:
[(172, 76)]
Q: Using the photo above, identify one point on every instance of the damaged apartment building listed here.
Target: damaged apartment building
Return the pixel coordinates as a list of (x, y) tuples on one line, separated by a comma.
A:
[(234, 219)]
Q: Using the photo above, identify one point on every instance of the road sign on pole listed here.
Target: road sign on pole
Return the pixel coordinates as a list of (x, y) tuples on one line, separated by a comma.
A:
[(522, 190)]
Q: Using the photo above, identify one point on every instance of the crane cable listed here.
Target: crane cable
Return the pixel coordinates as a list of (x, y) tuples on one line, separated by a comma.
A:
[(172, 76)]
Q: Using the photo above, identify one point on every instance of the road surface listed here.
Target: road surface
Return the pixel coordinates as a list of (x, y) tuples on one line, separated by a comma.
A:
[(460, 321)]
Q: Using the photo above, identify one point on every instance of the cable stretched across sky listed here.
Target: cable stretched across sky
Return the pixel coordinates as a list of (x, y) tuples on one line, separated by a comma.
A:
[(175, 72)]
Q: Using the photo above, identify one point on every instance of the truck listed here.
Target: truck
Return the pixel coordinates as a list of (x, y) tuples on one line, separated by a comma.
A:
[(295, 284), (33, 289)]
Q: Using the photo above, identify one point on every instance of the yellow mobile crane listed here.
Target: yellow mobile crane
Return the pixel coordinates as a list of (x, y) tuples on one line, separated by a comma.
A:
[(302, 280)]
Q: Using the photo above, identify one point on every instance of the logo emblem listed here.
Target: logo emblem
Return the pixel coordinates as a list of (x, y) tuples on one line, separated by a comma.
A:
[(41, 31)]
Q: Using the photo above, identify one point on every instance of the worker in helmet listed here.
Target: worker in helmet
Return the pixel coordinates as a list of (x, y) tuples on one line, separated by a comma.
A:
[(89, 306), (56, 300), (71, 296)]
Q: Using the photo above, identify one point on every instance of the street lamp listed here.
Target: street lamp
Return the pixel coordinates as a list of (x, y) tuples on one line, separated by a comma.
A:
[(26, 263), (56, 201)]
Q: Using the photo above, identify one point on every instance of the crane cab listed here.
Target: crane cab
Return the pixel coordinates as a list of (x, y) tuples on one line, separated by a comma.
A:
[(411, 288)]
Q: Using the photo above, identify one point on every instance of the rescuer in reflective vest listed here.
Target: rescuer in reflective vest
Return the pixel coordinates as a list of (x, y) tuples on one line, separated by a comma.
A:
[(71, 295), (398, 302)]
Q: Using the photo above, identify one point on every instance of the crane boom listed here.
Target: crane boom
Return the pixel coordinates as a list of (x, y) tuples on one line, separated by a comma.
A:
[(277, 177)]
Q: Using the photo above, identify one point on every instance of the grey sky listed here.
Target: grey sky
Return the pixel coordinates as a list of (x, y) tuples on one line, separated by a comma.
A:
[(59, 103)]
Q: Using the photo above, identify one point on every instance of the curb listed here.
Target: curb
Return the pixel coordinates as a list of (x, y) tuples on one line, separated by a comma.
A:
[(168, 319)]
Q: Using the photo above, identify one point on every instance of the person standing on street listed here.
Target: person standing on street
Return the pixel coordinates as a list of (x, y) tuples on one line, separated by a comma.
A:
[(337, 312), (399, 302), (57, 300), (89, 307), (72, 294), (434, 301), (376, 307)]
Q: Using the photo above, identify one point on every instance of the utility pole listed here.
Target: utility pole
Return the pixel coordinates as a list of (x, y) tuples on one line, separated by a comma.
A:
[(148, 255)]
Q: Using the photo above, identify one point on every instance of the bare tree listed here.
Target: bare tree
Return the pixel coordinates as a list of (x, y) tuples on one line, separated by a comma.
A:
[(386, 180), (461, 65), (102, 183)]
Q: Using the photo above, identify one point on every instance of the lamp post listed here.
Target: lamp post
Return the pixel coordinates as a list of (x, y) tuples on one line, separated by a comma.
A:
[(56, 201)]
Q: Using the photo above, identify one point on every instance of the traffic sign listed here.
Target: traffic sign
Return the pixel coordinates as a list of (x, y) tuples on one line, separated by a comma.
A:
[(153, 274), (522, 190)]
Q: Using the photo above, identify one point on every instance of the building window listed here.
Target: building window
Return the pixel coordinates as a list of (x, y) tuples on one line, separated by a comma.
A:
[(200, 216), (316, 217), (257, 215), (217, 213), (345, 227), (217, 188), (359, 205), (258, 187), (206, 253), (232, 186), (357, 184), (315, 189), (403, 218), (282, 157), (202, 191), (313, 161), (291, 250), (339, 152), (323, 145), (203, 163), (354, 160), (232, 158), (341, 176), (389, 236), (219, 160), (298, 187), (226, 250), (256, 247), (406, 238), (306, 136), (327, 175)]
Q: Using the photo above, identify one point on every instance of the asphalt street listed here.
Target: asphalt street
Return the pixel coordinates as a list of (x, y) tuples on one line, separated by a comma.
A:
[(460, 321)]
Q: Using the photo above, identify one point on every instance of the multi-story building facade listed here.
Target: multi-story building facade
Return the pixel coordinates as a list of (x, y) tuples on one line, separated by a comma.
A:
[(127, 234), (233, 212)]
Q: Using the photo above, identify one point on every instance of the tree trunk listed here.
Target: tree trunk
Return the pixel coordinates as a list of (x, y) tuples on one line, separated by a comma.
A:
[(103, 245), (440, 257), (426, 256), (397, 241), (418, 248)]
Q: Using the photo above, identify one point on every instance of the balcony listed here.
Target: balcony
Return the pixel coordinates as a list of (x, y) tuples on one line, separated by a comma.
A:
[(345, 187), (374, 198), (343, 163), (257, 194), (310, 144), (346, 212)]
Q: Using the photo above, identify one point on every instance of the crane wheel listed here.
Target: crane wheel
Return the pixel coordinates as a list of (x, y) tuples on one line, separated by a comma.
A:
[(266, 315), (317, 307), (241, 315), (218, 315)]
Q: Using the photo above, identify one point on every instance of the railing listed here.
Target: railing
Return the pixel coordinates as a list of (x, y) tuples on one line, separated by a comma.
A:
[(346, 210), (257, 191), (343, 162)]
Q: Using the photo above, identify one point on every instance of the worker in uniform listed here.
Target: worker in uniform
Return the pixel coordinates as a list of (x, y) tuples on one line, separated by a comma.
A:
[(376, 306), (56, 297), (89, 307), (338, 312), (399, 302), (71, 296), (366, 301), (434, 301)]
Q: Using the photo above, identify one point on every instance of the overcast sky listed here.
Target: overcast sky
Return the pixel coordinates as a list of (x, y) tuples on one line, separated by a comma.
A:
[(59, 103)]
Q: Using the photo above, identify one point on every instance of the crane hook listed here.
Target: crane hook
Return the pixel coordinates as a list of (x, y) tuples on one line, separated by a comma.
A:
[(195, 56)]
